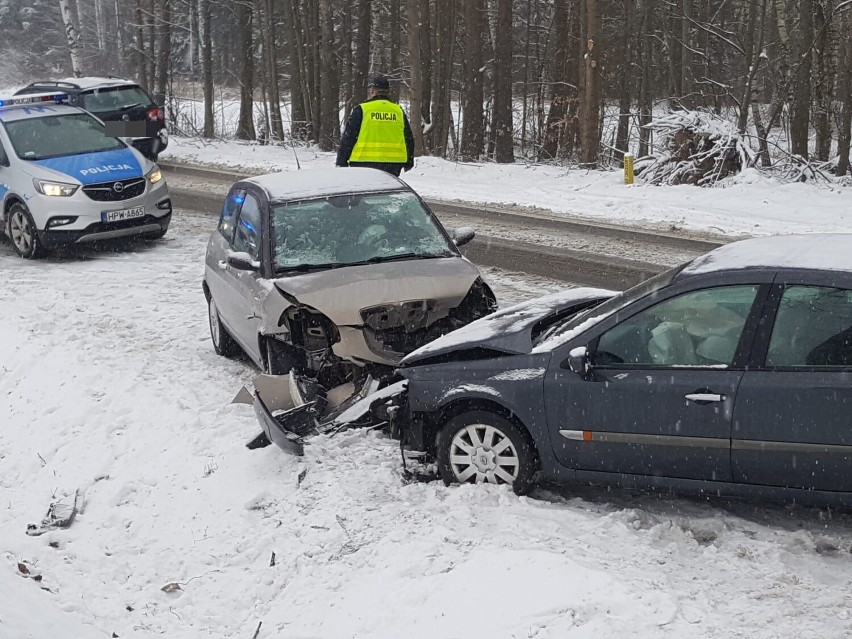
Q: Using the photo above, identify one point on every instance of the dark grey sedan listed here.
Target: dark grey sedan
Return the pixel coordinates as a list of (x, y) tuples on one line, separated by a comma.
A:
[(731, 374)]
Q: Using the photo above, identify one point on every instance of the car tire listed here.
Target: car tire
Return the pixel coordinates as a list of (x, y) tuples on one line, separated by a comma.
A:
[(22, 232), (223, 343), (481, 446)]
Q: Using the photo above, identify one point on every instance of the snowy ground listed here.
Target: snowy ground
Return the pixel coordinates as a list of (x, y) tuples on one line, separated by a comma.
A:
[(111, 387), (749, 204)]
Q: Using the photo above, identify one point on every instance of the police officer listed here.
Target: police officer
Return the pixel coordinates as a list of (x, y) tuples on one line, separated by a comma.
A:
[(378, 134)]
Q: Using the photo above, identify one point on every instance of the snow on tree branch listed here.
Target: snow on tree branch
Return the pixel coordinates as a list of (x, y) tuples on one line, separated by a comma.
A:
[(702, 148)]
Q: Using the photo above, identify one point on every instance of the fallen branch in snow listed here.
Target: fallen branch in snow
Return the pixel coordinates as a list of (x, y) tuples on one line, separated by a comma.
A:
[(257, 632), (702, 149)]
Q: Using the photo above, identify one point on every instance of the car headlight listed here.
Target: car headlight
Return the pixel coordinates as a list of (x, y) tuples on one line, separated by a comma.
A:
[(55, 189), (155, 175)]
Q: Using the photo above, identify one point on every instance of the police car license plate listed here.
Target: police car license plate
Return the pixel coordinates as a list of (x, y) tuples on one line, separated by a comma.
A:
[(123, 214)]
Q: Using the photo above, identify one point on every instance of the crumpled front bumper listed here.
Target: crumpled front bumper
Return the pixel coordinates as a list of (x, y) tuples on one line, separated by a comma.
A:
[(288, 418), (275, 430)]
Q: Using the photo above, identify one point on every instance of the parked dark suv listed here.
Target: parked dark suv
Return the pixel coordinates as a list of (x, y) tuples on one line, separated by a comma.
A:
[(126, 109)]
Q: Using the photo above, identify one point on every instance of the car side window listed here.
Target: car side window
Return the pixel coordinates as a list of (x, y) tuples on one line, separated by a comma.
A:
[(700, 328), (4, 159), (230, 212), (247, 233), (813, 327)]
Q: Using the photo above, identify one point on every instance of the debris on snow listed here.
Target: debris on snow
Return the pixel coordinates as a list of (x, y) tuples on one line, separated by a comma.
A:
[(59, 515)]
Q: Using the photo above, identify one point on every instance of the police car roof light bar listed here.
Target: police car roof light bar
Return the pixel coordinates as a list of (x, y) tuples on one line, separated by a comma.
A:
[(34, 99)]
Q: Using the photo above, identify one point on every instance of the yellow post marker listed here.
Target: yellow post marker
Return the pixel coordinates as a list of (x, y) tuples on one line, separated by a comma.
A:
[(628, 168)]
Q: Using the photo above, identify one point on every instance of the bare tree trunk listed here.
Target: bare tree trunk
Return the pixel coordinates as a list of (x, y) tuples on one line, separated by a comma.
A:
[(245, 124), (151, 56), (845, 83), (826, 68), (590, 117), (119, 37), (141, 63), (347, 79), (442, 77), (473, 136), (271, 60), (686, 97), (646, 100), (426, 65), (165, 52), (314, 40), (205, 35), (504, 139), (753, 56), (361, 68), (329, 90), (800, 119), (560, 89), (299, 108), (72, 34), (395, 47), (416, 79), (625, 72)]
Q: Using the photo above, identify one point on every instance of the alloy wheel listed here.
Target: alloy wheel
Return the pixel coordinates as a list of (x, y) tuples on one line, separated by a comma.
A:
[(21, 231), (215, 328)]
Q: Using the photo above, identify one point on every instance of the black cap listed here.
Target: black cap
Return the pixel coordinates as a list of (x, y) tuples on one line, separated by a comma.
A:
[(381, 83)]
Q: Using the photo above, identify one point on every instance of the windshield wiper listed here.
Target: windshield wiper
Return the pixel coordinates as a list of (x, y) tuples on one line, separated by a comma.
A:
[(302, 268), (127, 107), (402, 256)]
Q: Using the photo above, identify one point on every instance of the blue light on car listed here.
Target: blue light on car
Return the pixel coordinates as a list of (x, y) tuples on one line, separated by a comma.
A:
[(248, 225), (34, 99), (239, 199)]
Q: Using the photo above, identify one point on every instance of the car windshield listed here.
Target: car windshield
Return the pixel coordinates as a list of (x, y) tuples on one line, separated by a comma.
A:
[(115, 99), (59, 135), (643, 289), (348, 230)]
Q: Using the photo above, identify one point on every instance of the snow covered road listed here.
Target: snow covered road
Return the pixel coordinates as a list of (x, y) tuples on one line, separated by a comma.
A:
[(109, 386)]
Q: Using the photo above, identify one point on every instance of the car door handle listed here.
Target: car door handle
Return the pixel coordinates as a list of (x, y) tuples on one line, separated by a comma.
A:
[(223, 265), (705, 397)]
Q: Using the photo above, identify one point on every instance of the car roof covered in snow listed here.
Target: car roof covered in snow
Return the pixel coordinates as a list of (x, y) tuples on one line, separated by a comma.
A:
[(318, 183), (813, 251), (92, 82)]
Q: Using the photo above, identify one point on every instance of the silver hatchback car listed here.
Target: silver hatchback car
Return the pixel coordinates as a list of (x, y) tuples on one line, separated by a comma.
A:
[(333, 276)]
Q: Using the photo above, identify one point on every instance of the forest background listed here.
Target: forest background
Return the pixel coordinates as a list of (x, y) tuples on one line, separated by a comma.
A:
[(573, 82)]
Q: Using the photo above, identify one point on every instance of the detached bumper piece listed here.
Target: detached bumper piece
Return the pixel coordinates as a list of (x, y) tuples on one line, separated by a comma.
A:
[(280, 430), (291, 409)]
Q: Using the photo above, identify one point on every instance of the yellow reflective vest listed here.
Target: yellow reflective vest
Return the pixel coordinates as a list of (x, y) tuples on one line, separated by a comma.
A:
[(382, 134)]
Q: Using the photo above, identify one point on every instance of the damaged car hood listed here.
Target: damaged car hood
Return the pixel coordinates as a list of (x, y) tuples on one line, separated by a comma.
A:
[(342, 293), (509, 331)]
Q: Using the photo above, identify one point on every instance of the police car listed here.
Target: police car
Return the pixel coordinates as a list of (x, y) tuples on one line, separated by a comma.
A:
[(63, 180)]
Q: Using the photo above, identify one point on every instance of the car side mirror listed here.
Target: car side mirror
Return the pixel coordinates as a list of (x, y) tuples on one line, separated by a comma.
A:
[(243, 262), (579, 361), (463, 235)]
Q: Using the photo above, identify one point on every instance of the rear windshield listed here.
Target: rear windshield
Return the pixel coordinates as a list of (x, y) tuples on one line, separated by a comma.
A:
[(117, 99), (58, 135)]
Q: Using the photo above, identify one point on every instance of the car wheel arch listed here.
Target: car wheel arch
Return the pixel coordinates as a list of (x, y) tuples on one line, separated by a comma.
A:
[(11, 201), (468, 404)]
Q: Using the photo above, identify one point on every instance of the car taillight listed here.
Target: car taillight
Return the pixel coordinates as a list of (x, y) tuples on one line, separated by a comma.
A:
[(156, 114)]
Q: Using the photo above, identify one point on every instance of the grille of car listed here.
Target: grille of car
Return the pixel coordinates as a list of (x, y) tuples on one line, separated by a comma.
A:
[(115, 191)]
